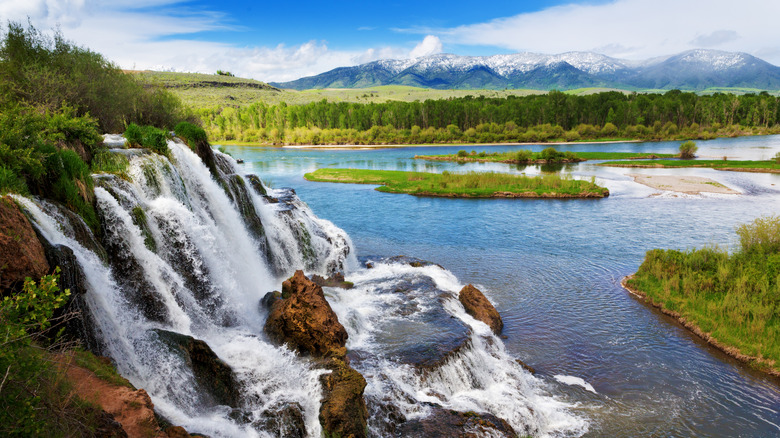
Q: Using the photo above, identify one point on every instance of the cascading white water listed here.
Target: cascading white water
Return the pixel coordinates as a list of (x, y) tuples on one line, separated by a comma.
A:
[(184, 260), (480, 376)]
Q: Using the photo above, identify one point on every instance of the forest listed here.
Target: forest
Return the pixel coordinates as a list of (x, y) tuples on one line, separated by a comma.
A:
[(555, 116)]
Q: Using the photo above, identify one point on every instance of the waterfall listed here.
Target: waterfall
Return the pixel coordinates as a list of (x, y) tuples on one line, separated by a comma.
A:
[(188, 256)]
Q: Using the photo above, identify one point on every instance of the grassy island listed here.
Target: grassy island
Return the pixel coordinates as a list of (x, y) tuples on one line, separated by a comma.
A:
[(769, 166), (730, 300), (464, 185), (549, 155)]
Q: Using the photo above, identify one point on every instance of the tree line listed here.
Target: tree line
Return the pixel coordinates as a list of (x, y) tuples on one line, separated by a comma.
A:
[(552, 116)]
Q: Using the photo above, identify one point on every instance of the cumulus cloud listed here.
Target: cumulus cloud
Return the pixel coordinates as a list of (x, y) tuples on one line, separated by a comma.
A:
[(430, 45), (634, 29), (154, 35)]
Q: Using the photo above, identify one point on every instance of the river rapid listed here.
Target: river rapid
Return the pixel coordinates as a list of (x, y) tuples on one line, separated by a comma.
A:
[(606, 364)]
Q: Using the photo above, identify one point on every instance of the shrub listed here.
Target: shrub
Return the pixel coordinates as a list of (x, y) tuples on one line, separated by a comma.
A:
[(134, 135), (688, 149), (148, 137), (524, 155), (550, 154), (777, 158), (762, 236), (191, 133), (463, 153), (10, 182)]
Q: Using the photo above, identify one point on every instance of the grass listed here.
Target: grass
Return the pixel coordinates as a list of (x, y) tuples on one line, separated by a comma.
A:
[(205, 90), (470, 185), (524, 156), (754, 166), (732, 297)]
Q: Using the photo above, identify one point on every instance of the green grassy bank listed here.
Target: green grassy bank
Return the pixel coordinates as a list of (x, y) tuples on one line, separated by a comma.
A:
[(467, 185), (730, 300), (768, 166), (546, 156)]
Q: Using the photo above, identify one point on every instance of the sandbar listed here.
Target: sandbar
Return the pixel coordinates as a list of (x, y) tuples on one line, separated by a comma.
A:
[(693, 185)]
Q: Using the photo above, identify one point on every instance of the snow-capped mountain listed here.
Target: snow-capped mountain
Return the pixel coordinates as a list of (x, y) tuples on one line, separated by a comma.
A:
[(691, 70)]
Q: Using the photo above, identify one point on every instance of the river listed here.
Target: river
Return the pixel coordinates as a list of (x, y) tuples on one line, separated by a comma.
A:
[(553, 269)]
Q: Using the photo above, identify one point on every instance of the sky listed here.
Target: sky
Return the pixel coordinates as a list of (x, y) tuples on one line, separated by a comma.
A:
[(282, 41)]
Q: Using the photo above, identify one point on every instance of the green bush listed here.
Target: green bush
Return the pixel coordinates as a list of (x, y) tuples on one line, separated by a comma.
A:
[(550, 154), (524, 155), (462, 153), (688, 149), (35, 397), (10, 182), (134, 135), (51, 72), (191, 133), (147, 137), (762, 236)]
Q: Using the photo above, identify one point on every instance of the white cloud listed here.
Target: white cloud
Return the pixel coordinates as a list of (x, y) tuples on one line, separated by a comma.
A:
[(634, 29), (430, 45), (125, 32)]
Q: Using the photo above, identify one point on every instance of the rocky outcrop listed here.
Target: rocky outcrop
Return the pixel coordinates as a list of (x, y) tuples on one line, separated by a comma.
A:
[(335, 280), (449, 423), (343, 411), (304, 320), (21, 253), (125, 411), (213, 375), (480, 308)]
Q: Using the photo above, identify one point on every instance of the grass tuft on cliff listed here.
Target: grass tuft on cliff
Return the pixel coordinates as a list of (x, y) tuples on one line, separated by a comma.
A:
[(733, 297), (468, 185)]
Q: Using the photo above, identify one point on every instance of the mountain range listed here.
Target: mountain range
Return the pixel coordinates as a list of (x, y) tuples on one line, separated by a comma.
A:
[(691, 70)]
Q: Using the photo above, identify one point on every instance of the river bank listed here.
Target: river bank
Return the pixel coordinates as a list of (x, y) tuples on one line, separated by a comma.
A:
[(762, 364)]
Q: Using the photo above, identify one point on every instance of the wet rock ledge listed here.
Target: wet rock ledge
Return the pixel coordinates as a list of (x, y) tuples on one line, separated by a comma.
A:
[(301, 317)]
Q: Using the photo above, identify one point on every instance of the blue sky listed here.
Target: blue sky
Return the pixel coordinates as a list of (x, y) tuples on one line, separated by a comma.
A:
[(279, 41)]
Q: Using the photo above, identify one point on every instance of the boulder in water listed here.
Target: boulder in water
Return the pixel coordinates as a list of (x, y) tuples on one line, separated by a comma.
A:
[(480, 308), (284, 421), (211, 373), (449, 423), (335, 280), (343, 411), (304, 320), (21, 253)]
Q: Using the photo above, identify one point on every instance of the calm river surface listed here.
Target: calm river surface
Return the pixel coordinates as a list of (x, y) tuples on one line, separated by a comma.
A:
[(553, 269)]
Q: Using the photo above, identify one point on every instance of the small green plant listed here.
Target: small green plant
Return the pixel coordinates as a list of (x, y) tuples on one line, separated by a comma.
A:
[(462, 153), (776, 158), (688, 150)]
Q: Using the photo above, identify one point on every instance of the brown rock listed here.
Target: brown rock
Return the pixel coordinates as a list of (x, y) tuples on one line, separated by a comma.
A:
[(480, 308), (21, 253), (335, 280), (343, 412), (305, 321), (449, 423)]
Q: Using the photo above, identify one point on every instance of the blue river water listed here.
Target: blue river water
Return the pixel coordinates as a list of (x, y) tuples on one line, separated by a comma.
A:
[(553, 269)]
